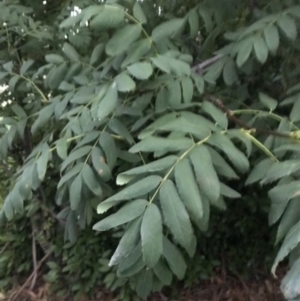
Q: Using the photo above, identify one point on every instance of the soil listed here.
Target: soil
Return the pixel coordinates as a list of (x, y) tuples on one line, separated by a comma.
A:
[(216, 289)]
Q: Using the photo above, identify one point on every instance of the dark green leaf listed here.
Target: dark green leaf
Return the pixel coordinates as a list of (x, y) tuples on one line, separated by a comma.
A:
[(142, 70), (125, 83), (219, 117), (261, 49), (174, 258), (138, 13), (205, 173), (187, 89), (126, 214), (90, 180), (161, 164), (75, 192), (288, 26), (139, 188), (70, 52), (188, 189), (109, 102), (272, 38), (175, 214), (157, 144), (152, 235), (109, 147), (167, 29), (127, 243), (122, 39), (163, 272), (144, 283)]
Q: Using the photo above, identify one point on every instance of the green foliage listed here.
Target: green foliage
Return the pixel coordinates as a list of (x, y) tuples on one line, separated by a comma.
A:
[(105, 95)]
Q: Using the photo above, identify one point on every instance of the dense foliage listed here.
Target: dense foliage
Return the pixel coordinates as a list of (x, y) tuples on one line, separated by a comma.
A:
[(138, 118)]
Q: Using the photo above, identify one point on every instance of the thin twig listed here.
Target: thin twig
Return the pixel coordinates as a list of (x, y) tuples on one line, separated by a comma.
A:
[(200, 67), (218, 103), (14, 296), (33, 260)]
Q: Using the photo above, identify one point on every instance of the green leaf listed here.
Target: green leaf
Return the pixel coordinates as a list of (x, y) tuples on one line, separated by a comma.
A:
[(259, 171), (152, 128), (144, 283), (238, 159), (42, 162), (71, 173), (109, 102), (96, 54), (99, 164), (131, 262), (272, 38), (142, 70), (290, 283), (161, 102), (162, 63), (8, 66), (268, 101), (199, 82), (175, 214), (205, 173), (193, 19), (126, 214), (280, 196), (245, 48), (109, 147), (295, 112), (138, 13), (75, 192), (167, 29), (219, 117), (174, 258), (261, 49), (187, 89), (25, 66), (199, 126), (125, 83), (136, 51), (174, 91), (65, 86), (157, 144), (127, 243), (281, 169), (75, 155), (139, 188), (290, 242), (152, 235), (117, 127), (43, 118), (188, 189), (238, 134), (90, 180), (154, 166), (70, 52), (229, 192), (122, 39), (229, 73), (289, 218), (288, 26), (162, 272), (109, 17), (71, 21)]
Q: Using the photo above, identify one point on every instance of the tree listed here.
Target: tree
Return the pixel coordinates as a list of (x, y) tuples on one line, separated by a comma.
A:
[(144, 112)]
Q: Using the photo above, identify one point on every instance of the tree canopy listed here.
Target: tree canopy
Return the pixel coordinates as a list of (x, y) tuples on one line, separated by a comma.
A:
[(141, 116)]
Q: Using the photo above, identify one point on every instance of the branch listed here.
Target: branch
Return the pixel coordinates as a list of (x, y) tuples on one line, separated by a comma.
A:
[(200, 67), (218, 103)]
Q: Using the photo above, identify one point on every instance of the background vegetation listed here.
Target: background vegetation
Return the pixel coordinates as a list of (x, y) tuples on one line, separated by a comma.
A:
[(146, 143)]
